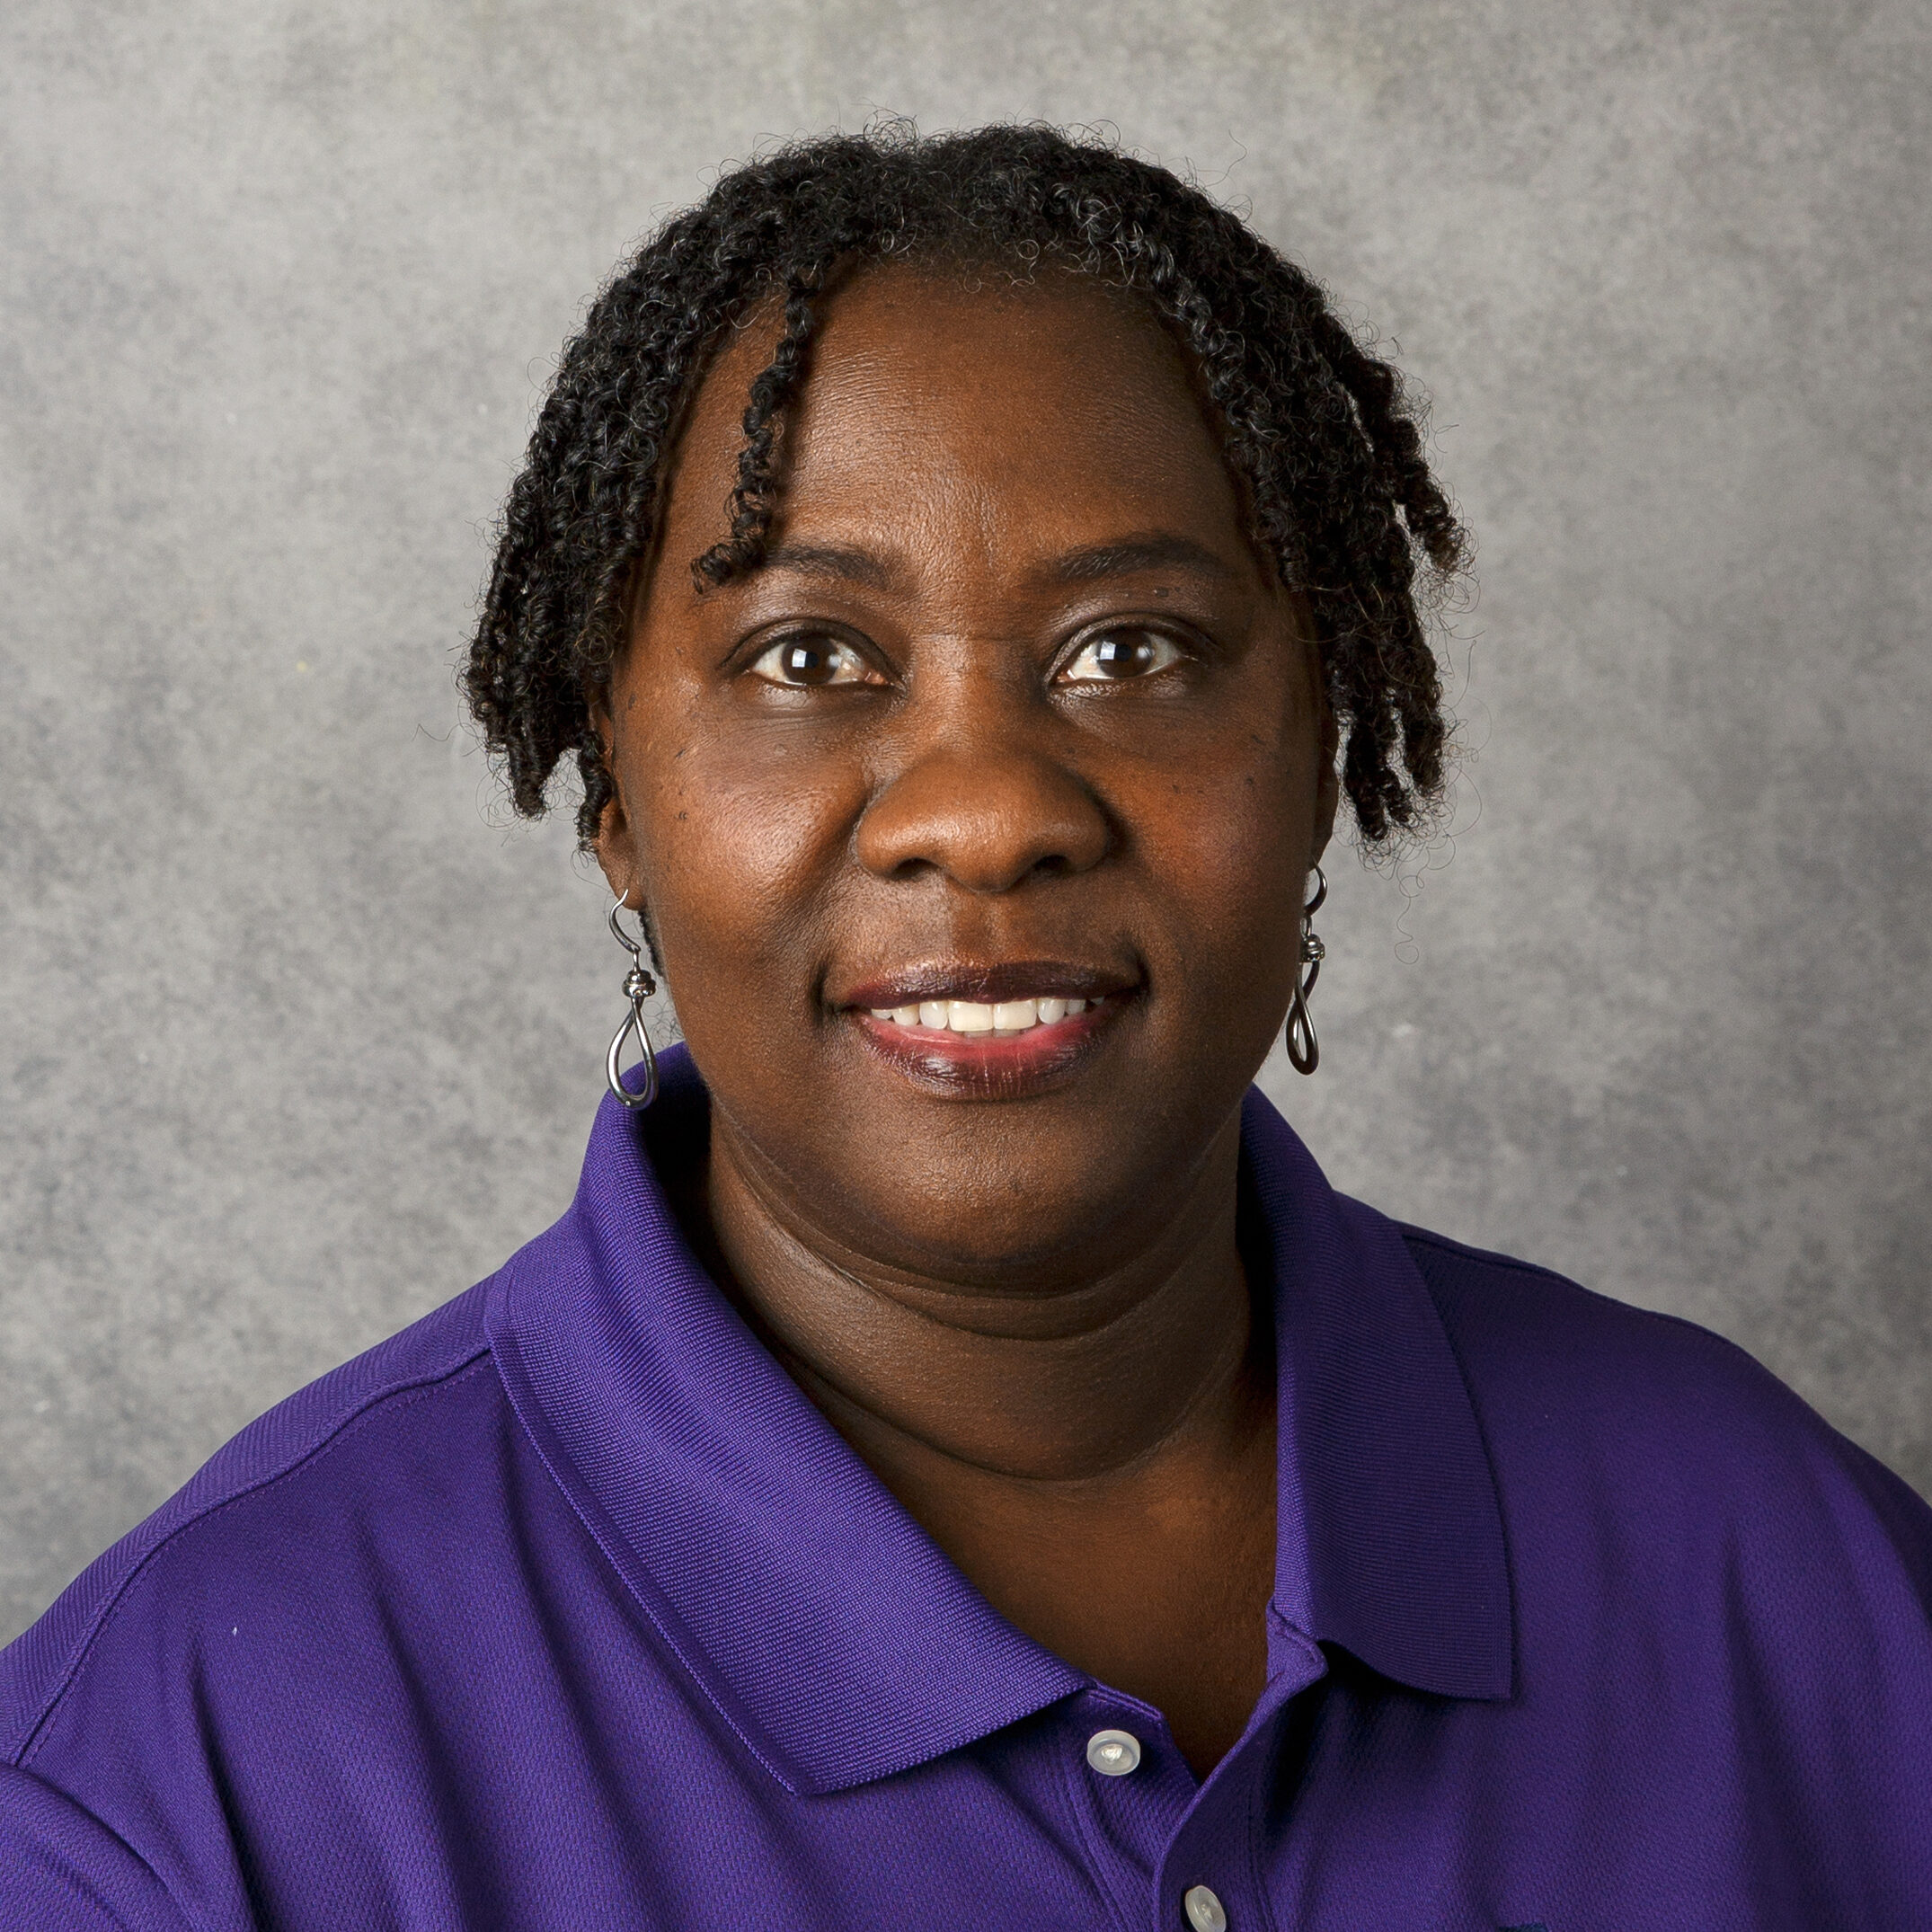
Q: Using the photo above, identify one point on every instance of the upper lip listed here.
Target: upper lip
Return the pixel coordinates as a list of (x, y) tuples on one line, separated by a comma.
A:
[(986, 981)]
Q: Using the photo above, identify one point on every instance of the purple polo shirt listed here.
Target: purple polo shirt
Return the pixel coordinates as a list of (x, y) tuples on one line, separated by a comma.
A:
[(565, 1611)]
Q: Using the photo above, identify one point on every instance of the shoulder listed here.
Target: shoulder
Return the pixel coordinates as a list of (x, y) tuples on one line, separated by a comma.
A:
[(347, 1448), (1660, 1434), (1509, 1316)]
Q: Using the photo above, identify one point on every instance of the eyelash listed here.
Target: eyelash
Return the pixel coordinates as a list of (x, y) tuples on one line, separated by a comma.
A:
[(822, 641), (1143, 635), (825, 643)]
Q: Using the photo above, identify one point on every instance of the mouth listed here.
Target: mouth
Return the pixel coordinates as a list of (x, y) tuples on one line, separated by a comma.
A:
[(994, 1031)]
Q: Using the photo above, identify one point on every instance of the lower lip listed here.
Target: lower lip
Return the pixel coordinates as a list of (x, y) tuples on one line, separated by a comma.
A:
[(993, 1065)]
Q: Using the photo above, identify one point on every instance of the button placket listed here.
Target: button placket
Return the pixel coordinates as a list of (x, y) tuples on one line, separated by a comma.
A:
[(1205, 1911), (1127, 1816)]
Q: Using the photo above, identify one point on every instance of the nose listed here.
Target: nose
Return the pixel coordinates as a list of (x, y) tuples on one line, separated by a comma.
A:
[(987, 816)]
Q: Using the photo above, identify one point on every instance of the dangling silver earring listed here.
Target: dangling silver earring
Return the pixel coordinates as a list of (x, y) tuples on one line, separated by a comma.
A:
[(1304, 1050), (638, 986)]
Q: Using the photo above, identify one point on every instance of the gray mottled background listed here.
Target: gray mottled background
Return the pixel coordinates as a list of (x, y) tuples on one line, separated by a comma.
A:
[(297, 1037)]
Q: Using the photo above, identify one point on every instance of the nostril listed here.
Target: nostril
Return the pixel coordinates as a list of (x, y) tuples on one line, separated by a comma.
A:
[(985, 824)]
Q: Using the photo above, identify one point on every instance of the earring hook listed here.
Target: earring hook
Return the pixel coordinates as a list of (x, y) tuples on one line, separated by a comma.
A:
[(1303, 1050), (639, 985)]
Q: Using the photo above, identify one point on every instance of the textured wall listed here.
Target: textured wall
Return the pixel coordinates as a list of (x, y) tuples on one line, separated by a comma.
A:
[(297, 1037)]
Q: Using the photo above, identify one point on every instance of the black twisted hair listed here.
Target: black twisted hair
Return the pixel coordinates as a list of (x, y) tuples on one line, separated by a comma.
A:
[(1319, 430)]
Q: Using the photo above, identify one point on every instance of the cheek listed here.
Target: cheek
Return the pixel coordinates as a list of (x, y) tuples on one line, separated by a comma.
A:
[(738, 853), (1228, 851)]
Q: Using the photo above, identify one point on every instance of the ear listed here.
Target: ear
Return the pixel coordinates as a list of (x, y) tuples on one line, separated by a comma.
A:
[(1327, 788), (616, 848), (1327, 732)]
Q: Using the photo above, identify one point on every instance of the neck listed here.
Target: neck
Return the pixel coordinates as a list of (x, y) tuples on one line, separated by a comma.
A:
[(1072, 1376), (1094, 1447)]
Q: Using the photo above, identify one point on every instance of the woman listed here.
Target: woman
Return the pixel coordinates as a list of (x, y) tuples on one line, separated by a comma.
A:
[(957, 1463)]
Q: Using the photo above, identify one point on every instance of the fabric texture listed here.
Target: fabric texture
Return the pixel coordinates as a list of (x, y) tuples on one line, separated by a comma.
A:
[(565, 1608)]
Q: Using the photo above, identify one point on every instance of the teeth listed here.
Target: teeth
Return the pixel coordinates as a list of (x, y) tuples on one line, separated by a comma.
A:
[(977, 1017)]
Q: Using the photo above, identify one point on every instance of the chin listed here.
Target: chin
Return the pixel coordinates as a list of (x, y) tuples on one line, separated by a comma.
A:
[(995, 1223)]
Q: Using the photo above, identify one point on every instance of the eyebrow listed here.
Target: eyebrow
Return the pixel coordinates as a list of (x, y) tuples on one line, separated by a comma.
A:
[(1162, 550), (835, 561)]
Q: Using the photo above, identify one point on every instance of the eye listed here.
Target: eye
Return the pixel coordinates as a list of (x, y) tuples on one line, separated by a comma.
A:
[(807, 663), (1112, 657)]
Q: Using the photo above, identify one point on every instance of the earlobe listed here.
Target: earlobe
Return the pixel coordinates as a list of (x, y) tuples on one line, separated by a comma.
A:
[(613, 859), (616, 854)]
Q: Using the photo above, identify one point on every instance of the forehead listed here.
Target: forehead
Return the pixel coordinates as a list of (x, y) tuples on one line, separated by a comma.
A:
[(1033, 412)]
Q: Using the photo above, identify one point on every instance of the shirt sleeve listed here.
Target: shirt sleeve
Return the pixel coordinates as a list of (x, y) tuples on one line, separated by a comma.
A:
[(62, 1870)]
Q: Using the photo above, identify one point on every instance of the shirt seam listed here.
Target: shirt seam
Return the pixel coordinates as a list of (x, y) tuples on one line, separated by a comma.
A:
[(1462, 1251), (609, 1539), (1447, 1245), (1258, 1817), (35, 1734), (191, 1920)]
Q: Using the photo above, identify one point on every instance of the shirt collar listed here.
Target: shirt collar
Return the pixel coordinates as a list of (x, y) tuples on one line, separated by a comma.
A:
[(828, 1630), (1389, 1533)]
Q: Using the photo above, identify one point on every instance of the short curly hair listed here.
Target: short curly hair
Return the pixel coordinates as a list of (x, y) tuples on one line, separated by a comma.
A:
[(1322, 436)]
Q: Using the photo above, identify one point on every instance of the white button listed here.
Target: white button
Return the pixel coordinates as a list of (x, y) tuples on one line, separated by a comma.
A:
[(1204, 1911), (1113, 1753)]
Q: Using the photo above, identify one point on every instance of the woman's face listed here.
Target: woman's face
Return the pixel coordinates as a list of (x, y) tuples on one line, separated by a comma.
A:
[(1013, 717)]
